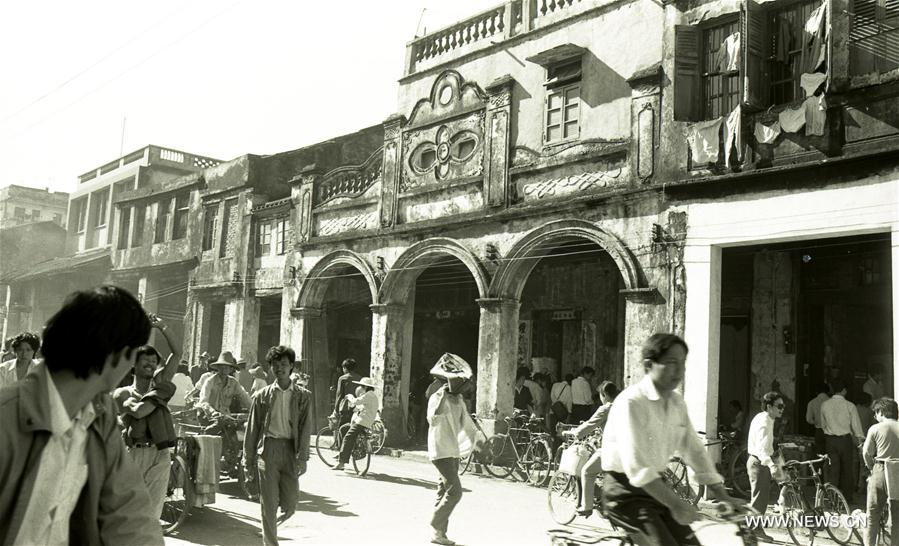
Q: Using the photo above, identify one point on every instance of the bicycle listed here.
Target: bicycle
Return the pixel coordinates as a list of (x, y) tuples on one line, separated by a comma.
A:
[(733, 458), (179, 493), (829, 504), (677, 476), (474, 457), (329, 452), (378, 433), (502, 457), (886, 524)]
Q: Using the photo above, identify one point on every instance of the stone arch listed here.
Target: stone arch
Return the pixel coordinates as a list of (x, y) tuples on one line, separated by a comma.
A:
[(510, 278), (418, 257), (312, 291)]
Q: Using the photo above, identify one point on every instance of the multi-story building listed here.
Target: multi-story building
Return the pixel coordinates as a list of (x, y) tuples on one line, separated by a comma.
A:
[(86, 261), (22, 205), (563, 179)]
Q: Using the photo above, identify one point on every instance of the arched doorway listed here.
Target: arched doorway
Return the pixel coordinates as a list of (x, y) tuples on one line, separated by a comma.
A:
[(335, 299)]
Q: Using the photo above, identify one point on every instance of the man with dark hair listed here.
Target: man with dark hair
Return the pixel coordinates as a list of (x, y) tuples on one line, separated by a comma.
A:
[(841, 424), (25, 346), (276, 445), (582, 396), (149, 432), (523, 399), (67, 478), (882, 443), (813, 415), (647, 425), (345, 386), (760, 465)]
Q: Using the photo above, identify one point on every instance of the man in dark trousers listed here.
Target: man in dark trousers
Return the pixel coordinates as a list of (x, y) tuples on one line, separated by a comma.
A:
[(842, 433), (276, 445), (345, 385), (66, 476)]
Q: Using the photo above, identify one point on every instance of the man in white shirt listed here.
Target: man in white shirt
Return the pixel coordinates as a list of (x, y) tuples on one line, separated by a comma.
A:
[(561, 392), (582, 396), (841, 424), (760, 465), (365, 409), (647, 425), (183, 385), (813, 415), (874, 385)]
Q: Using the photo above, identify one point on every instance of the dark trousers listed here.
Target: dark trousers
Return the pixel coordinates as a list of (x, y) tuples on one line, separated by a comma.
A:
[(760, 483), (349, 442), (449, 492), (647, 521), (819, 442), (878, 503), (580, 412), (840, 471), (277, 485)]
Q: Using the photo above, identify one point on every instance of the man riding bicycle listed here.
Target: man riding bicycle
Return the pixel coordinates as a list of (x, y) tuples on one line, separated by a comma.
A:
[(647, 425), (216, 396)]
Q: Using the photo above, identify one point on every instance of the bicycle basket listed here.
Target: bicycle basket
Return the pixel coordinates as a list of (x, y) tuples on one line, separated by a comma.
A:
[(573, 459)]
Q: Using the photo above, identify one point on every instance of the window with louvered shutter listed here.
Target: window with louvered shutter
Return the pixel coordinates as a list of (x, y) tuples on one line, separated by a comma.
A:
[(873, 36), (686, 73)]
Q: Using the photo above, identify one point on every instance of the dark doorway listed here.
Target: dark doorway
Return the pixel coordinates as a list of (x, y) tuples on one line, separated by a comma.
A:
[(216, 328), (269, 326)]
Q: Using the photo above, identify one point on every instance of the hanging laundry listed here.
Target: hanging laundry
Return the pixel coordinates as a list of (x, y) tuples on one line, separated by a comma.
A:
[(729, 60), (814, 40), (792, 120), (733, 128), (704, 139), (811, 82), (766, 134), (816, 20), (815, 115), (785, 40)]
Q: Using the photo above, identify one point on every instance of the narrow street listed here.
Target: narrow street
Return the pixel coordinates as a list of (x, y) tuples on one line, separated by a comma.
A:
[(391, 505)]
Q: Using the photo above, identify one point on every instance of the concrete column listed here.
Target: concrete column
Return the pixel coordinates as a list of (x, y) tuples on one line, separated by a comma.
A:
[(497, 357), (702, 333), (645, 313), (241, 335), (391, 341), (895, 274), (310, 341)]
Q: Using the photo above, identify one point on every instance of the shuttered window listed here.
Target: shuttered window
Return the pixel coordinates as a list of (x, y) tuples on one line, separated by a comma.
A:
[(720, 88), (873, 36)]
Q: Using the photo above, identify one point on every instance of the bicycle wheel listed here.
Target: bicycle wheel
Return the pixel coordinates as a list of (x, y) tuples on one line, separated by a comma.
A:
[(378, 436), (886, 528), (677, 477), (499, 461), (178, 496), (833, 504), (739, 478), (792, 511), (327, 446), (465, 463), (537, 462), (361, 456), (563, 494)]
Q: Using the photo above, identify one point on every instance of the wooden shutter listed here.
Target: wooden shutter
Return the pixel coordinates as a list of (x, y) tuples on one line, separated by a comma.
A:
[(753, 42), (686, 73)]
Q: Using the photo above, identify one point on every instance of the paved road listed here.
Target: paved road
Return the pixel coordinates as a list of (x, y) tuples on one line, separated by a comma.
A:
[(391, 506)]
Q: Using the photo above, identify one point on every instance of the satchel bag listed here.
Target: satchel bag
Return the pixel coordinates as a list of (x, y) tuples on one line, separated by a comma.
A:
[(573, 459), (558, 408)]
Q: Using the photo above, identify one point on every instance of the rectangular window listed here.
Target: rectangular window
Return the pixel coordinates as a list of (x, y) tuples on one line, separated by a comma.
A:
[(789, 56), (230, 205), (720, 85), (58, 219), (140, 221), (19, 213), (873, 36), (563, 100), (281, 236), (182, 211), (210, 219), (35, 214), (264, 238), (163, 209), (80, 208), (124, 227), (101, 198)]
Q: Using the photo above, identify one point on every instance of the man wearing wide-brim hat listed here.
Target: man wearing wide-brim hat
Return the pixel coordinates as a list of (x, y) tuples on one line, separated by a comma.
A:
[(365, 409), (219, 390)]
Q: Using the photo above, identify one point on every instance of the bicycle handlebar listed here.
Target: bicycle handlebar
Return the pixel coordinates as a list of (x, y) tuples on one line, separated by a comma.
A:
[(812, 463)]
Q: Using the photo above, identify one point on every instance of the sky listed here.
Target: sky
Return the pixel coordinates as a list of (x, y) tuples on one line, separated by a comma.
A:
[(82, 83)]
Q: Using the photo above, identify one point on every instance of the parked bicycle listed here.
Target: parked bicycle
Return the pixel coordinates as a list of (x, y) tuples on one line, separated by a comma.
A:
[(328, 445), (524, 449), (733, 461), (829, 507)]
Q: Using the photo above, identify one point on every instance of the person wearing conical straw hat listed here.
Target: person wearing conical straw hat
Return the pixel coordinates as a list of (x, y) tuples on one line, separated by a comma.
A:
[(451, 436), (365, 409)]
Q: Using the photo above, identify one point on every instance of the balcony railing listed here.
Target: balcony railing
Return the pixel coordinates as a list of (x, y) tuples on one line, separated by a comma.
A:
[(487, 28)]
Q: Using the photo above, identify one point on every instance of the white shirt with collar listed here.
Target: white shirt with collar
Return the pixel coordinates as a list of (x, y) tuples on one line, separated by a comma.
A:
[(839, 417), (8, 375), (61, 474), (642, 435), (761, 438), (813, 410), (561, 392), (581, 393)]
